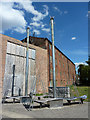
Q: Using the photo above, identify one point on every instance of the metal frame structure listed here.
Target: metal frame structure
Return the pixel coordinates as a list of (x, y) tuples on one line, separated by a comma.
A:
[(27, 63), (53, 57)]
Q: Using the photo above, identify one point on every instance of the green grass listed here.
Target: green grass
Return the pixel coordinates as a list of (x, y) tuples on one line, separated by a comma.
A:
[(39, 94), (82, 90)]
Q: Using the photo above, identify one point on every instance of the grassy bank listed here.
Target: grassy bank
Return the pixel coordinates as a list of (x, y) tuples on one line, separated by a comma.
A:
[(82, 90), (78, 91)]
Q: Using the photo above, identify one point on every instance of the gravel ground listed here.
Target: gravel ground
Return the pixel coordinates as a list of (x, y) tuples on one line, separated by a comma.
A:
[(17, 110)]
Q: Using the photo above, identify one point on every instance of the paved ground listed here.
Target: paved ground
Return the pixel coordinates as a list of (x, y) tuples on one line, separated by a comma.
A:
[(17, 110)]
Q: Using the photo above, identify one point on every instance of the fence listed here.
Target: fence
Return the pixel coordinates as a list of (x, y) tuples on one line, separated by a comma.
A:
[(60, 91)]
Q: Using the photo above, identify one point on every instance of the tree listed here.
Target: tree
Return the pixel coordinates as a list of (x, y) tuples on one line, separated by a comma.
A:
[(88, 62), (83, 73)]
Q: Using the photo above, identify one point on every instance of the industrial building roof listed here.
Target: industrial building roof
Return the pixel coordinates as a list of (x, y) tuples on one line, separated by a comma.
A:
[(40, 41)]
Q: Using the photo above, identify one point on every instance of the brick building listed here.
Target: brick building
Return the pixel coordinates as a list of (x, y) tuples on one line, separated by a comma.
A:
[(13, 52), (65, 68)]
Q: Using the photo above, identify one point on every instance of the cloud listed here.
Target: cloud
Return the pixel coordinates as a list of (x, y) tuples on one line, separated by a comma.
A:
[(36, 31), (38, 24), (73, 38), (12, 18), (20, 30), (30, 8), (43, 25), (86, 15), (35, 24), (38, 16), (77, 64), (57, 9), (46, 29), (65, 12)]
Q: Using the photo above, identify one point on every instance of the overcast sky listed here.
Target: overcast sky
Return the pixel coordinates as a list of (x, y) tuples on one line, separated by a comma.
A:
[(70, 24)]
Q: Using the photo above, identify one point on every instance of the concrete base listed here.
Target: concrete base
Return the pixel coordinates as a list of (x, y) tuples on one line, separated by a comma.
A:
[(52, 102), (55, 103)]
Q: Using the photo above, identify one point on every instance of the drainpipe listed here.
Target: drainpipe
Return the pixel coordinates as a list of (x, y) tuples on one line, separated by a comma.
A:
[(13, 80), (27, 63), (53, 58)]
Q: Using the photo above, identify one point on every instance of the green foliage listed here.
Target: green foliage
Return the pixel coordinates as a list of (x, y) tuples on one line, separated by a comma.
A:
[(82, 90), (39, 94), (84, 74)]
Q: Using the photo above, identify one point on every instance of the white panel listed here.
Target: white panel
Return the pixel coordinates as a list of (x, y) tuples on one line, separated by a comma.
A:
[(12, 62), (20, 65), (30, 53), (17, 50), (32, 67), (8, 66), (7, 62), (18, 84), (13, 48), (25, 51), (17, 65), (7, 85), (8, 47), (22, 49), (33, 54)]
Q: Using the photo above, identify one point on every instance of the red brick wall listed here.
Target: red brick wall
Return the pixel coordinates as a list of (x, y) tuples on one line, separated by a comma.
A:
[(3, 53), (64, 68), (41, 70)]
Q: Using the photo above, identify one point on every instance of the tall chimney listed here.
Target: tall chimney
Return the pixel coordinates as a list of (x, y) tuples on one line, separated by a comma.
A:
[(53, 57), (27, 63)]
